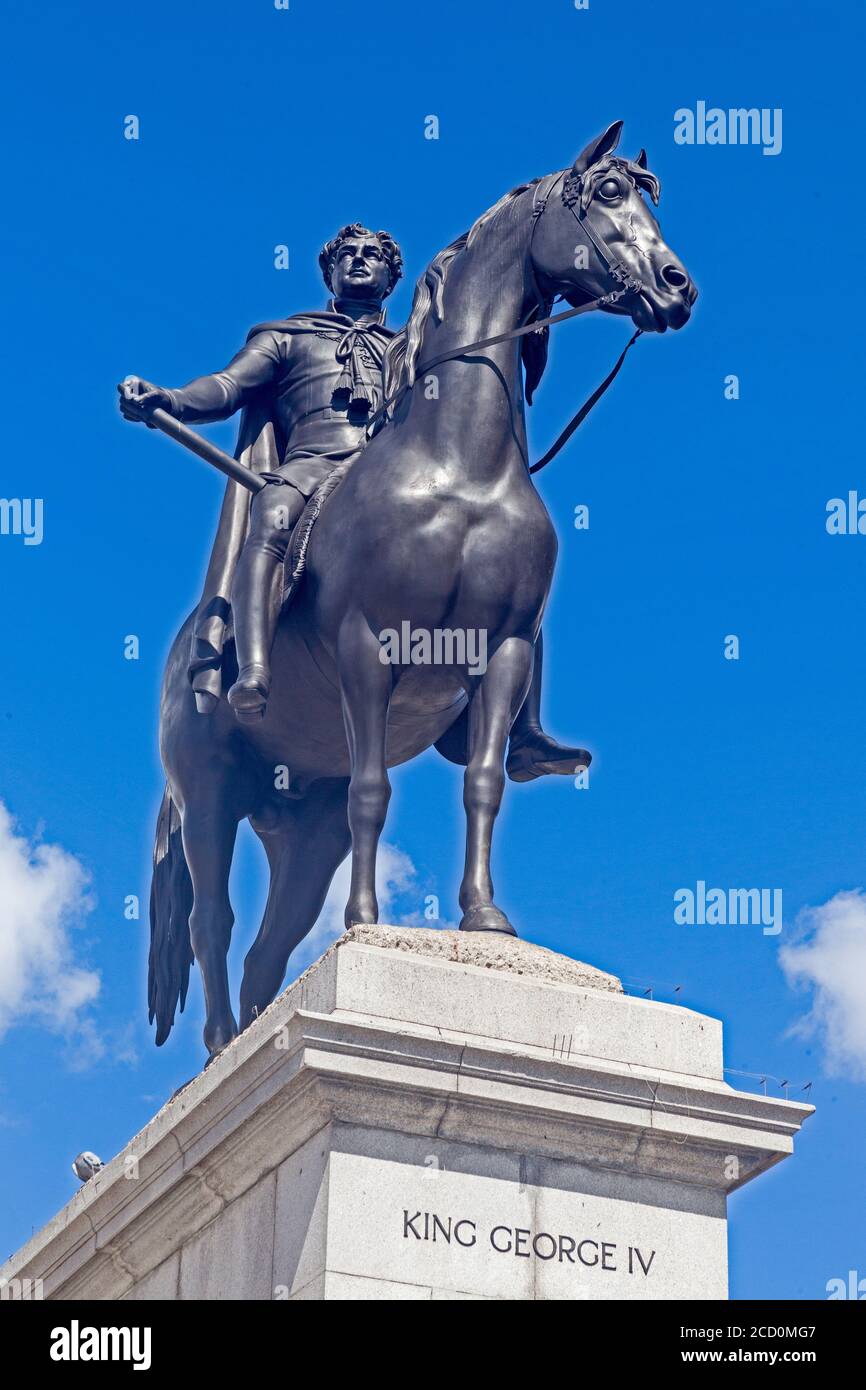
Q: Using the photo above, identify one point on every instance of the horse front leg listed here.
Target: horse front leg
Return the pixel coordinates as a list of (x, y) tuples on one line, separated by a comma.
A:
[(494, 707), (366, 685)]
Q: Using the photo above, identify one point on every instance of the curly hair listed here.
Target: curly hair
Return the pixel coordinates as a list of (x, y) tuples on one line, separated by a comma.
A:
[(390, 250)]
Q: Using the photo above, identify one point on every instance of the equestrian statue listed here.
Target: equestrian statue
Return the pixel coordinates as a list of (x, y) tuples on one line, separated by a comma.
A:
[(362, 502)]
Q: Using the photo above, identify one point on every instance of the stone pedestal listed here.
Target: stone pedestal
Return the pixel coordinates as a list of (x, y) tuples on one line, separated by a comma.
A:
[(430, 1115)]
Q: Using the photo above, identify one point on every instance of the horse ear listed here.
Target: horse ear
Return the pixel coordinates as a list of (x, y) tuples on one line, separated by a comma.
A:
[(598, 148), (641, 159)]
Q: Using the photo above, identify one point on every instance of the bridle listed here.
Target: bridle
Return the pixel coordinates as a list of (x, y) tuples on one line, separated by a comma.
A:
[(613, 266)]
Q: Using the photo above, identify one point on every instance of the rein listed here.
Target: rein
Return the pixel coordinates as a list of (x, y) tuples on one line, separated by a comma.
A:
[(614, 268), (577, 420)]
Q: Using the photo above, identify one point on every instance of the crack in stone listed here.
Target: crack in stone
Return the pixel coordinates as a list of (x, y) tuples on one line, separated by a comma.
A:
[(202, 1178), (445, 1108)]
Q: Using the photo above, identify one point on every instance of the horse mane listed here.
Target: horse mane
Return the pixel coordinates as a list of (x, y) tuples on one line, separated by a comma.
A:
[(401, 356)]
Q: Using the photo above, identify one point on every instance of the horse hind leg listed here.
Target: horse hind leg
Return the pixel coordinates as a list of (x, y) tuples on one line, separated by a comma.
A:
[(305, 843), (209, 823)]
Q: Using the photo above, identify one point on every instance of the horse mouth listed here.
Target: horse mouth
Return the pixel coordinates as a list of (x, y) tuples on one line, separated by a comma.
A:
[(652, 318), (648, 317)]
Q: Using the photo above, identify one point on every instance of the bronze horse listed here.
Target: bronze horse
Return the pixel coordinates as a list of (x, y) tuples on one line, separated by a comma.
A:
[(437, 524)]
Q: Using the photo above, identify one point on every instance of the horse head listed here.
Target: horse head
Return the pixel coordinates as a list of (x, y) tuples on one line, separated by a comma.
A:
[(596, 235)]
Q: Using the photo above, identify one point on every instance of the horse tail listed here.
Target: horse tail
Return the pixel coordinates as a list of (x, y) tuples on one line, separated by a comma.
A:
[(170, 905)]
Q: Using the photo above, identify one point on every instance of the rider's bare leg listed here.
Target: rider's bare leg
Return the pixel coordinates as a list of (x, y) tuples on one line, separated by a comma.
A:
[(531, 752), (257, 592)]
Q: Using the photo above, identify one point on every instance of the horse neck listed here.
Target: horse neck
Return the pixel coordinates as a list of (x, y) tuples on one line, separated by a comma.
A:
[(489, 290)]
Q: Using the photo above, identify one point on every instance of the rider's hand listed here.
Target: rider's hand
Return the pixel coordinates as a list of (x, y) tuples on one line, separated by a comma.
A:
[(139, 398)]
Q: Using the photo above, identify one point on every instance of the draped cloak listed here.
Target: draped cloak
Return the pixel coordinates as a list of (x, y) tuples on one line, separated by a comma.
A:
[(263, 447)]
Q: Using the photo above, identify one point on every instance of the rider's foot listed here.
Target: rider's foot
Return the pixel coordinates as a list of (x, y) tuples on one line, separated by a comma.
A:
[(248, 696), (537, 755)]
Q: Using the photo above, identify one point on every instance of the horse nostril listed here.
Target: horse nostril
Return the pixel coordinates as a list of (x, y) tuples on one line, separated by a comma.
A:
[(674, 277)]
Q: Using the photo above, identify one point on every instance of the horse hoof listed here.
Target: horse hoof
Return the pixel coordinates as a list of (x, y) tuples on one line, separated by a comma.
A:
[(487, 918), (217, 1052), (218, 1038), (360, 917)]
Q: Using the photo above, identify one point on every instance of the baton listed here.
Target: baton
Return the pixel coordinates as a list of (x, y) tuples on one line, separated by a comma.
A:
[(211, 454)]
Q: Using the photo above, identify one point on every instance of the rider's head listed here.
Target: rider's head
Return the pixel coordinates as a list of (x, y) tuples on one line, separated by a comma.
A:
[(360, 264)]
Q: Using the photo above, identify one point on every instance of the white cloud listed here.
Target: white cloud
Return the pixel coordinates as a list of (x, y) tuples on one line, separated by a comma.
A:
[(830, 960), (396, 888), (43, 896)]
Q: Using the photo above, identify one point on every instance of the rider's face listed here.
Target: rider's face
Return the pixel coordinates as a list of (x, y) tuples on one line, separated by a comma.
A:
[(360, 270)]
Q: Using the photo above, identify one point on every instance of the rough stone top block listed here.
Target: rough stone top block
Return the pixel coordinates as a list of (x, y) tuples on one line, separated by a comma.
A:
[(491, 986), (492, 950)]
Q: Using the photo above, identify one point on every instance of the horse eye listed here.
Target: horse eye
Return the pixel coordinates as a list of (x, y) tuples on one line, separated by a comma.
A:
[(610, 189)]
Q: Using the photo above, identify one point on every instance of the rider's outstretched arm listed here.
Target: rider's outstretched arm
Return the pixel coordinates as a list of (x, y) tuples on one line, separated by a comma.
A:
[(219, 395)]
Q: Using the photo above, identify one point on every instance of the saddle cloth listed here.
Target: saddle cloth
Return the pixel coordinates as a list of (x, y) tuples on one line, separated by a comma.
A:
[(296, 560)]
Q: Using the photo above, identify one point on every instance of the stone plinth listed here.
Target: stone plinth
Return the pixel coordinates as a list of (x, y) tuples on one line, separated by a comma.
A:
[(431, 1115)]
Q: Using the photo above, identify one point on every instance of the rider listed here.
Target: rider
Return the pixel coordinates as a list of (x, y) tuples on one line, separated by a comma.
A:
[(322, 376)]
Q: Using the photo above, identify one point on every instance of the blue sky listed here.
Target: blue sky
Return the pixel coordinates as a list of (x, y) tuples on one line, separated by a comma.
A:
[(707, 517)]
